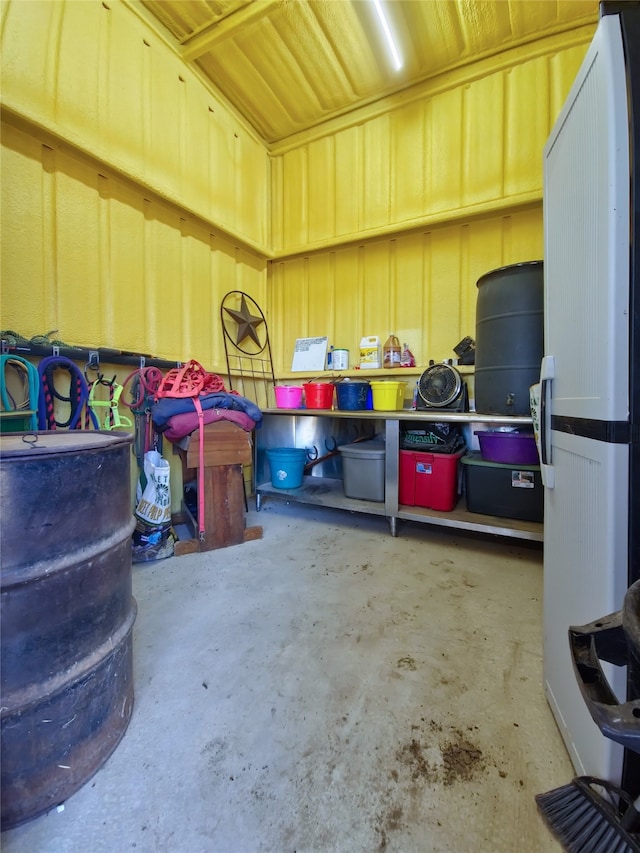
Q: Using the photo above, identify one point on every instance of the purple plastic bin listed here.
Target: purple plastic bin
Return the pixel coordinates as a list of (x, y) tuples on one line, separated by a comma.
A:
[(510, 448)]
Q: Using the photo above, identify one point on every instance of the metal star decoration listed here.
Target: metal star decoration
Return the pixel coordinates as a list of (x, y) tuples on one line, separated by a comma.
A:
[(247, 322)]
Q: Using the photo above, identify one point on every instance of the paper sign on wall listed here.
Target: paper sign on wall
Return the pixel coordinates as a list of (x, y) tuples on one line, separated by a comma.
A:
[(309, 354)]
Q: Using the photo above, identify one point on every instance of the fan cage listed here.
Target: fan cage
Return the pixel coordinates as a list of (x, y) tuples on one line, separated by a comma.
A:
[(447, 378)]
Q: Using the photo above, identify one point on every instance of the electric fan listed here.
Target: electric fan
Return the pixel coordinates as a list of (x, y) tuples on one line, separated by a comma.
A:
[(441, 387)]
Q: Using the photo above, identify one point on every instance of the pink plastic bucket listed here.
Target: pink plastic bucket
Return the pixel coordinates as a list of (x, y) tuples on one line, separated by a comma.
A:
[(318, 395), (288, 396)]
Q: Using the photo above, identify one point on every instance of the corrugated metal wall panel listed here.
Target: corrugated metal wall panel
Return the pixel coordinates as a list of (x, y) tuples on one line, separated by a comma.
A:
[(421, 286), (477, 140), (563, 68), (164, 125), (375, 192), (412, 145), (443, 124), (122, 271), (75, 74), (124, 96), (443, 285), (378, 296), (322, 196), (73, 214), (94, 257), (484, 125), (97, 76), (410, 305), (251, 201), (295, 176), (22, 160), (529, 122), (28, 62), (340, 174)]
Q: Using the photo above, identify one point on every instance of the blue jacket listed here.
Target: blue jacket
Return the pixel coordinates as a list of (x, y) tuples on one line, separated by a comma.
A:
[(169, 406)]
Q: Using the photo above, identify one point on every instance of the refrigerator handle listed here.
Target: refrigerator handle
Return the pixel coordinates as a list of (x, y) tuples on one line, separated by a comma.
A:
[(547, 374)]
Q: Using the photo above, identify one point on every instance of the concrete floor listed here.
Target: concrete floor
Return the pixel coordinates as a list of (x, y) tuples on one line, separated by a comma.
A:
[(328, 688)]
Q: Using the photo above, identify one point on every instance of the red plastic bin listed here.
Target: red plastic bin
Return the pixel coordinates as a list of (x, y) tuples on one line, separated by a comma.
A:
[(429, 479)]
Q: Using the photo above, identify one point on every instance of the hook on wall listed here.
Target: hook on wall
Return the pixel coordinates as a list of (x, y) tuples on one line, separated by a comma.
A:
[(93, 363)]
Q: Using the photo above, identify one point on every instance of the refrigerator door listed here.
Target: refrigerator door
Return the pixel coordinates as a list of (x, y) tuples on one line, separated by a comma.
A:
[(585, 382)]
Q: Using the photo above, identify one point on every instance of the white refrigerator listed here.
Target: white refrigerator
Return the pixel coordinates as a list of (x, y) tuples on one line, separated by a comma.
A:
[(590, 396)]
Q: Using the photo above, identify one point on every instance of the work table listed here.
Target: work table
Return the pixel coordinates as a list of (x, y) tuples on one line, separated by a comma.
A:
[(321, 429)]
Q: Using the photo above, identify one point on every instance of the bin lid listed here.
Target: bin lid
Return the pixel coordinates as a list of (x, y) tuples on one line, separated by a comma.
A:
[(476, 459), (364, 449)]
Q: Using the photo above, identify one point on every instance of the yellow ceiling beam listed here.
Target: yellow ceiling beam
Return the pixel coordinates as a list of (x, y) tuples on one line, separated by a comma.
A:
[(196, 46)]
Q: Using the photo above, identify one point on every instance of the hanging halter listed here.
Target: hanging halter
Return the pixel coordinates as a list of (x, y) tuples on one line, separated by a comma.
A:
[(113, 418), (144, 384), (190, 380), (77, 399), (31, 386)]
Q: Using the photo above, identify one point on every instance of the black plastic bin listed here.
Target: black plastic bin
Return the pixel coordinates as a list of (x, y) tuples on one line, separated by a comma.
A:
[(508, 491)]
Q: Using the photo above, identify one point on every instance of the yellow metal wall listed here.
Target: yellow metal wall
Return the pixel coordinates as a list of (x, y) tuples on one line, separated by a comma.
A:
[(420, 285), (467, 141), (132, 200), (385, 223), (96, 258)]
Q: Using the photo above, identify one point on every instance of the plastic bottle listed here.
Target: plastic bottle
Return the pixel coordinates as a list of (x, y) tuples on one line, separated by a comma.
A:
[(391, 352), (370, 352), (406, 358)]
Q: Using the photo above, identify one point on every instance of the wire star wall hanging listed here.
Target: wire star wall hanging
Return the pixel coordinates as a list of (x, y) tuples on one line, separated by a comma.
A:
[(248, 323), (247, 348)]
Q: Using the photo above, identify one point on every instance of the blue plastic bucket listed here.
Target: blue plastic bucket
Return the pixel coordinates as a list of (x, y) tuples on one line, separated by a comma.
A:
[(352, 395), (287, 466)]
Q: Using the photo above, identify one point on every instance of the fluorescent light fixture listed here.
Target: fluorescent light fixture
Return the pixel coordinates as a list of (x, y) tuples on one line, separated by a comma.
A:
[(397, 61)]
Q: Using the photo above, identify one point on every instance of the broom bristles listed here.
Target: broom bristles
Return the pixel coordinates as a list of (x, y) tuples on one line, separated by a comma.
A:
[(583, 821)]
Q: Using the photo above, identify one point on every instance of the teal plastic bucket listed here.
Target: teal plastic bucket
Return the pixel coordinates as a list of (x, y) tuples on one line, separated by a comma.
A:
[(287, 466)]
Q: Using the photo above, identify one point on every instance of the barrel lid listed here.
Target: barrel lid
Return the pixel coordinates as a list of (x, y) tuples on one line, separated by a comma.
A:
[(509, 269), (17, 444)]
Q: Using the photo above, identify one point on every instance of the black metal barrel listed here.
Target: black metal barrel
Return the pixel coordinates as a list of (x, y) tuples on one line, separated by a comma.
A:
[(66, 612)]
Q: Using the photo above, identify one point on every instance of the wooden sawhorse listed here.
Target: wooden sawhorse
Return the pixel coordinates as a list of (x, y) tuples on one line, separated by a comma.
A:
[(227, 447)]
